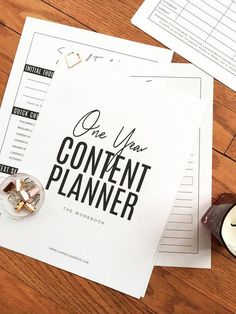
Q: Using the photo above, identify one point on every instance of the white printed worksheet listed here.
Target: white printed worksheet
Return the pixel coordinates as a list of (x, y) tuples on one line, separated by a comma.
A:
[(185, 242), (27, 90), (42, 44), (204, 32), (110, 177)]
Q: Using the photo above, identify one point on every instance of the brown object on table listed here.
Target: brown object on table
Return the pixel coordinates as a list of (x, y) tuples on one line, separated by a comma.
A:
[(30, 286), (9, 187)]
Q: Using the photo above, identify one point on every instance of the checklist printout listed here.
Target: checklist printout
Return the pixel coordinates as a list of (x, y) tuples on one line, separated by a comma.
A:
[(204, 32)]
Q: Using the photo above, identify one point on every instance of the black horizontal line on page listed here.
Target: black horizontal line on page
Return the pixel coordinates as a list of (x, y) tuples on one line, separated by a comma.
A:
[(26, 122), (190, 22), (32, 103), (185, 9), (185, 206), (177, 252), (33, 97), (207, 33), (172, 229), (184, 238), (227, 7), (188, 168), (188, 184), (36, 89), (180, 222), (165, 76), (224, 67), (185, 191), (229, 18), (210, 24), (38, 82), (217, 30), (174, 3), (183, 199), (211, 36), (187, 245), (181, 214), (213, 9)]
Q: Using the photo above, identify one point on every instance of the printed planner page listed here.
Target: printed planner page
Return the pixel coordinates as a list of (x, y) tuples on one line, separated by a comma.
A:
[(103, 161), (204, 32), (37, 55), (36, 80)]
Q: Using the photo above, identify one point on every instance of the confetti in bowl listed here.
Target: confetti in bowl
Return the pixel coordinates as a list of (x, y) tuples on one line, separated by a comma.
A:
[(21, 195)]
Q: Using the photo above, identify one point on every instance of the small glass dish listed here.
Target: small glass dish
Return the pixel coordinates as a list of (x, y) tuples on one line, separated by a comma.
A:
[(21, 195)]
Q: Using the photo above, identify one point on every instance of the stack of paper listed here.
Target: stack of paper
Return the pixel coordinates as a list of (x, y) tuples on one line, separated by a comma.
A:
[(118, 150), (203, 32)]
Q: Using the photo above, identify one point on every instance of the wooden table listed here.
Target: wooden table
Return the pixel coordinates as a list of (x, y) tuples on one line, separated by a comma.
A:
[(29, 286)]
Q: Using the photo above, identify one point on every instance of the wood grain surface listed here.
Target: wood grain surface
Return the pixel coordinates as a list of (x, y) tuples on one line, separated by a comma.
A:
[(30, 286)]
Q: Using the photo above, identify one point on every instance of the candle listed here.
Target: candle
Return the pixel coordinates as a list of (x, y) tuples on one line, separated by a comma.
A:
[(228, 231), (220, 219)]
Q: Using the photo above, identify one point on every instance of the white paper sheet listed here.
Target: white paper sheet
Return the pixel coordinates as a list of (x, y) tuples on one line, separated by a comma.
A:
[(204, 32), (119, 252), (188, 79), (41, 45), (185, 242), (150, 69)]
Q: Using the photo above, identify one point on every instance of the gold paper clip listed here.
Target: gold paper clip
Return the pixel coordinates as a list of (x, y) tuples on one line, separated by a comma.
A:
[(72, 59)]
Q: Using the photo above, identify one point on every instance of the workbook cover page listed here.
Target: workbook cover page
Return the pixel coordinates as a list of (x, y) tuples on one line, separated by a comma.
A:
[(110, 153)]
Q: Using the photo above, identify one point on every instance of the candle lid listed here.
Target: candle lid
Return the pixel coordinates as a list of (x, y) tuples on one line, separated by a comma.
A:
[(220, 219), (228, 230)]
